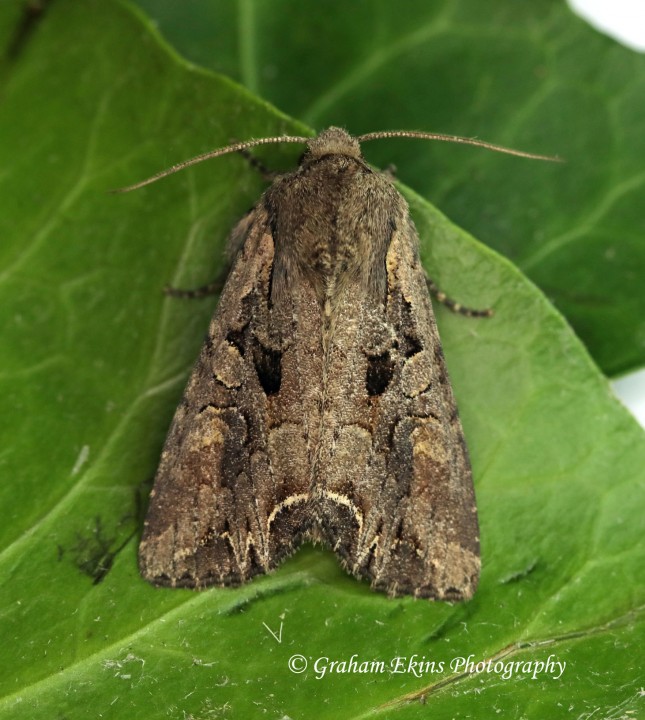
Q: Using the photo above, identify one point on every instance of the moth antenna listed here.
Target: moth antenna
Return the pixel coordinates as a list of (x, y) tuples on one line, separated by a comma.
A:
[(236, 147), (212, 154), (455, 139)]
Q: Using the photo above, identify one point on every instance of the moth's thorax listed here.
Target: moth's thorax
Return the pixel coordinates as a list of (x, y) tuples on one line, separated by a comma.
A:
[(333, 220)]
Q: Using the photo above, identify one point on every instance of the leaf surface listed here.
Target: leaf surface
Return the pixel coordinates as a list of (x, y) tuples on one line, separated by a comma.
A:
[(93, 361)]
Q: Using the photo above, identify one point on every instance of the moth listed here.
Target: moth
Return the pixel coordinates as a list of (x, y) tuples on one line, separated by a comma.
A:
[(320, 406)]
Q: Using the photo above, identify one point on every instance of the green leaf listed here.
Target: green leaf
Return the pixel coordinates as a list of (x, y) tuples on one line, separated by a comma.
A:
[(94, 358), (528, 75)]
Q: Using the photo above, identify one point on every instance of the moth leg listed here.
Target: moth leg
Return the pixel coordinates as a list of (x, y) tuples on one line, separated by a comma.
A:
[(213, 288), (234, 244), (390, 171), (257, 164), (453, 304)]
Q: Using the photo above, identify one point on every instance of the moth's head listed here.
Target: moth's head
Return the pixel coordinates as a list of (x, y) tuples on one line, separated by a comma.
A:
[(333, 141)]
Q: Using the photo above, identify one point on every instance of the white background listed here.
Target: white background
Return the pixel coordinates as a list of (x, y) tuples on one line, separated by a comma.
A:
[(623, 20)]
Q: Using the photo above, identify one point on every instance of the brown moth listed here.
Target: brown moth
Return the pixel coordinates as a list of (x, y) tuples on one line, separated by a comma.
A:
[(320, 407)]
